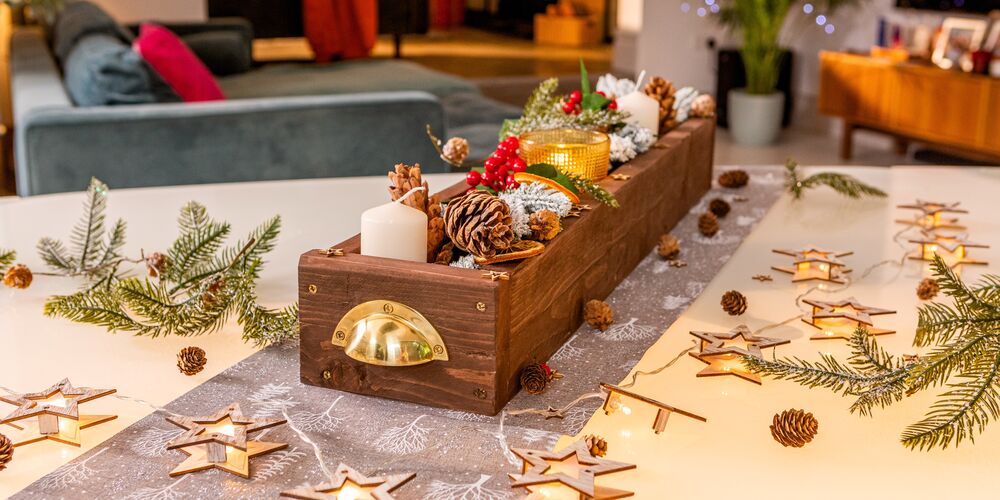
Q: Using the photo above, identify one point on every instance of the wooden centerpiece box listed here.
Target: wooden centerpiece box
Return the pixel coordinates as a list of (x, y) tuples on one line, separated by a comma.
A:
[(480, 331)]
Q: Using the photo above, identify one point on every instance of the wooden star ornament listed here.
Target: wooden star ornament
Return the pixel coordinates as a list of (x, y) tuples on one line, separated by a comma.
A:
[(723, 351), (839, 319), (53, 414), (953, 249), (220, 441), (348, 483), (814, 263), (573, 468), (930, 215)]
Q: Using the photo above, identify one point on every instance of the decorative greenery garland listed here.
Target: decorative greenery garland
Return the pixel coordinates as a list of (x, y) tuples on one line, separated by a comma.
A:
[(7, 257), (844, 184), (966, 340)]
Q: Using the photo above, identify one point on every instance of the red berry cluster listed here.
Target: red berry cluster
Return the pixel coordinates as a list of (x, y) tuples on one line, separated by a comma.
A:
[(499, 168), (573, 103)]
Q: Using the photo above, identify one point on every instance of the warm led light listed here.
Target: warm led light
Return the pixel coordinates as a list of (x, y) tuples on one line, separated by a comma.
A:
[(824, 267), (626, 410)]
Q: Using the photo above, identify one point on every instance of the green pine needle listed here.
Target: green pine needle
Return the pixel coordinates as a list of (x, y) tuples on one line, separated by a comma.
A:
[(844, 184), (590, 187), (7, 257)]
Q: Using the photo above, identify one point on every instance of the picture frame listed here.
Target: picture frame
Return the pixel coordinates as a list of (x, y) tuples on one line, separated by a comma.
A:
[(959, 37)]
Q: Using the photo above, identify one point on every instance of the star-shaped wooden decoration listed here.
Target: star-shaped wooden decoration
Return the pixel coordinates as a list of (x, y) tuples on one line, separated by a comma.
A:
[(930, 215), (814, 263), (220, 441), (954, 249), (572, 467), (839, 319), (349, 483), (723, 351), (54, 412)]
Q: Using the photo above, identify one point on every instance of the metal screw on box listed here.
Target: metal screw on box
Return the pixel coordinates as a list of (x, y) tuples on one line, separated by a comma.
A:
[(313, 289), (480, 393), (480, 306), (327, 375)]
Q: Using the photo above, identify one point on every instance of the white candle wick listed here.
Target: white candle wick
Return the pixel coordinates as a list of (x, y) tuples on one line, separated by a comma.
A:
[(638, 81), (409, 193)]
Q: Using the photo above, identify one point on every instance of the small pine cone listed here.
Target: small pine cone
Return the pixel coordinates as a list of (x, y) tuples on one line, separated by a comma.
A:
[(446, 255), (479, 223), (6, 451), (708, 224), (597, 445), (456, 150), (927, 289), (719, 207), (734, 303), (703, 106), (157, 264), (18, 276), (598, 314), (191, 360), (669, 247), (794, 428), (210, 298), (535, 378), (403, 179), (734, 179), (544, 225)]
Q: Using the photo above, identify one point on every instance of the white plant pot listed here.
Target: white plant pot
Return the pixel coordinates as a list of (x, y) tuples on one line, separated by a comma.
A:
[(754, 119)]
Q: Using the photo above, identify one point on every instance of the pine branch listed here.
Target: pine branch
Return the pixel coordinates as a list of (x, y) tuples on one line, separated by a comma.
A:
[(7, 257), (53, 253), (591, 188), (846, 185), (86, 237), (100, 306), (195, 247)]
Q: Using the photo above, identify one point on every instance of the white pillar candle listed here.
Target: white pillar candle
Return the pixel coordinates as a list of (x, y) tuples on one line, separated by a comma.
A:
[(394, 231), (644, 111)]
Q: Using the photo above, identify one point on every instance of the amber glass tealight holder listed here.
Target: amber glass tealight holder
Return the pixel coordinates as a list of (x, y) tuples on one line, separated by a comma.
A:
[(582, 152)]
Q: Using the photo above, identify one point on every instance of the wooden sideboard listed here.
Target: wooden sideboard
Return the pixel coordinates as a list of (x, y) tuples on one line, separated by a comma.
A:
[(955, 112)]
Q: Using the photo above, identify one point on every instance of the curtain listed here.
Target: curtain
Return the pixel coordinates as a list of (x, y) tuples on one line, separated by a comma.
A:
[(340, 29)]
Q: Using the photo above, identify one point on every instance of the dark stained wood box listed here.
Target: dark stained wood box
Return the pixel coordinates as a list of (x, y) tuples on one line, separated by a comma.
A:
[(492, 329)]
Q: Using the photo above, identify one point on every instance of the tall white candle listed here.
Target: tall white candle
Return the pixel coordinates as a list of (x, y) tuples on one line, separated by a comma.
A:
[(395, 231), (644, 111)]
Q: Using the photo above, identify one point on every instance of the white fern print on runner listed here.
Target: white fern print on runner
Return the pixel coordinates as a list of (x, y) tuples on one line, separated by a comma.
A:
[(671, 302), (70, 474), (153, 442), (276, 462), (568, 351), (164, 493), (326, 421), (465, 416), (404, 440), (440, 490), (548, 439), (629, 331), (270, 400)]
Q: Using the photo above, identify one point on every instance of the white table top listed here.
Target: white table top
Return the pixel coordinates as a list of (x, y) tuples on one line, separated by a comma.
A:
[(733, 455), (38, 351)]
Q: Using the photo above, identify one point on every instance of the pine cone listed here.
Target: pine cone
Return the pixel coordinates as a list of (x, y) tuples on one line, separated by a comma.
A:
[(597, 445), (544, 225), (708, 224), (927, 289), (157, 264), (405, 178), (734, 303), (456, 150), (191, 360), (18, 276), (663, 91), (446, 255), (535, 378), (734, 179), (598, 314), (479, 223), (703, 106), (669, 247), (794, 428), (6, 451), (210, 298), (719, 207)]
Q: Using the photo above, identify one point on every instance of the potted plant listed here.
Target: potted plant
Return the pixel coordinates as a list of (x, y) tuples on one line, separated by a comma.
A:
[(755, 111)]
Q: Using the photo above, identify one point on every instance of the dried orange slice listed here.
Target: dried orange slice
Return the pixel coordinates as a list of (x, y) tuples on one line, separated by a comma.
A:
[(523, 177), (519, 250)]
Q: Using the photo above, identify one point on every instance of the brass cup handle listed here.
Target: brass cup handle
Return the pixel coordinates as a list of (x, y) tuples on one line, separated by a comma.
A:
[(388, 333)]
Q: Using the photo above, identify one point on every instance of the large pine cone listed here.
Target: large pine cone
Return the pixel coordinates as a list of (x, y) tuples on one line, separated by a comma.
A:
[(597, 445), (598, 314), (663, 91), (927, 289), (669, 247), (734, 179), (6, 451), (794, 428), (479, 223), (18, 276), (719, 207), (708, 224), (534, 378), (734, 303), (191, 360)]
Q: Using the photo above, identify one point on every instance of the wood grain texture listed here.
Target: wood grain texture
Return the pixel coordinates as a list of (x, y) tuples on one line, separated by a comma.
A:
[(526, 318)]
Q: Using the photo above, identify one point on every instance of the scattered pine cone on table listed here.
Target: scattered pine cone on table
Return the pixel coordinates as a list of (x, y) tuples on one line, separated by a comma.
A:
[(794, 428), (456, 150), (734, 303), (6, 451), (719, 207), (18, 276), (598, 314), (669, 247), (663, 91), (597, 445), (708, 224), (734, 179), (927, 289), (535, 378), (544, 225), (479, 223), (703, 106), (191, 360), (157, 263)]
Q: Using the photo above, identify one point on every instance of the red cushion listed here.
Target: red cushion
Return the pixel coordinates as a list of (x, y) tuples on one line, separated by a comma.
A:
[(176, 64)]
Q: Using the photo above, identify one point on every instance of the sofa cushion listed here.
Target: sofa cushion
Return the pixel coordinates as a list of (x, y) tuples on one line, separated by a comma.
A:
[(223, 52), (101, 70), (79, 19), (345, 77), (176, 64)]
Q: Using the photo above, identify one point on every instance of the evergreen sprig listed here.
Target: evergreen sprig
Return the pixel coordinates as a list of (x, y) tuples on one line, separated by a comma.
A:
[(543, 112), (965, 359), (7, 257), (590, 187), (844, 184)]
